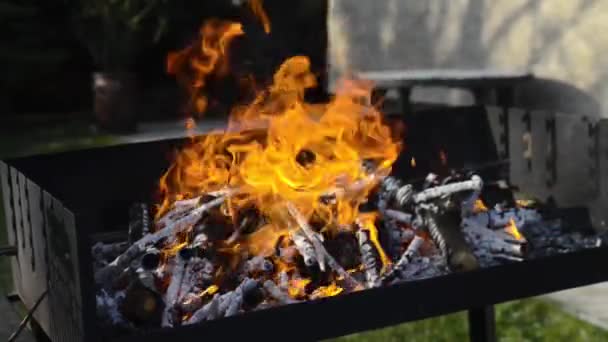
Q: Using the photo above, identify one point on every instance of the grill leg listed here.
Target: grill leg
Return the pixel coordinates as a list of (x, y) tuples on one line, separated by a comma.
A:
[(482, 324)]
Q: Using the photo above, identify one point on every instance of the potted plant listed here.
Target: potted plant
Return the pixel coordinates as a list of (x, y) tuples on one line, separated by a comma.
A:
[(114, 31)]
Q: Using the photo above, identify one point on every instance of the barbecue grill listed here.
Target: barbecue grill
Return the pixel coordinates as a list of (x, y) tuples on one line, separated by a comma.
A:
[(58, 205)]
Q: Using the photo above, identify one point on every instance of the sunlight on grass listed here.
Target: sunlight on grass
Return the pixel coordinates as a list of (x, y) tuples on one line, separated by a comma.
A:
[(524, 320)]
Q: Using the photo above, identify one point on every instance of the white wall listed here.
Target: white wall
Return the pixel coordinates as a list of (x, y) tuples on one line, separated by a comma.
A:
[(560, 40)]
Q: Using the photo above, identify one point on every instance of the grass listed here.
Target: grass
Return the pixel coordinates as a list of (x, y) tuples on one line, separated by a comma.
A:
[(524, 320)]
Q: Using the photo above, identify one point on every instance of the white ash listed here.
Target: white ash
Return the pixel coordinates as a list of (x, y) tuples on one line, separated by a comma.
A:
[(549, 239), (190, 302), (108, 251), (399, 216), (403, 261), (107, 275), (108, 307), (186, 283), (224, 305), (202, 272), (276, 293), (411, 251), (147, 278), (474, 184), (305, 247), (369, 259), (208, 312), (321, 253), (467, 206), (258, 264), (200, 240), (422, 268), (172, 294), (284, 281)]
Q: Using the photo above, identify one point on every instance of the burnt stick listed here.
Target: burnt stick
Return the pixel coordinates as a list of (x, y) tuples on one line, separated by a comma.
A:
[(444, 227)]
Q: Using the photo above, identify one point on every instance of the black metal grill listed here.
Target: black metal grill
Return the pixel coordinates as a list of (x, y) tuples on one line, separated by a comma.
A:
[(54, 205)]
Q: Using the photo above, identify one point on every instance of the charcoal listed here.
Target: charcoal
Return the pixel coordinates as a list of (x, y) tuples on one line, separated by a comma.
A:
[(142, 306), (257, 265), (151, 259), (444, 227), (276, 293), (404, 260), (227, 304), (425, 233), (305, 247)]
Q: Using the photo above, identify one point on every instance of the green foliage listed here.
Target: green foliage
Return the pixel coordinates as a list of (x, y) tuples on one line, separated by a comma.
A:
[(114, 30)]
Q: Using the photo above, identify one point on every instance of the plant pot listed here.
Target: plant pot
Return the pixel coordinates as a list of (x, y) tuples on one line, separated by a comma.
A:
[(115, 98)]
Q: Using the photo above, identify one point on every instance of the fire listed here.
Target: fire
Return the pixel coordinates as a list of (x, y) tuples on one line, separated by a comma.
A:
[(297, 287), (479, 206), (525, 203), (511, 228), (279, 152), (367, 222), (258, 10), (302, 154), (327, 291), (205, 58), (413, 162)]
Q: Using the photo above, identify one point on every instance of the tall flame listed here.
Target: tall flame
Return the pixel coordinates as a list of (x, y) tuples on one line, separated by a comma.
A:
[(279, 151), (206, 57), (258, 10)]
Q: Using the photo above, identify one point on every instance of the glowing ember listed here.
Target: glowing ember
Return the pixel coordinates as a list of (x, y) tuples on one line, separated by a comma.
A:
[(479, 206), (327, 291), (443, 157), (367, 222), (511, 228)]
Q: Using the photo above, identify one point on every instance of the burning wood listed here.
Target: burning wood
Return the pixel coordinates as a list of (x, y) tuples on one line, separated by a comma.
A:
[(475, 184), (368, 258), (186, 279), (277, 294), (256, 215)]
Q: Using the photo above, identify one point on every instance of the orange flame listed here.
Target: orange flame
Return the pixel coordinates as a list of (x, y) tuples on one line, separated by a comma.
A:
[(207, 57), (511, 228), (367, 222), (279, 150), (297, 158), (479, 207), (258, 10), (413, 162), (327, 291), (297, 287)]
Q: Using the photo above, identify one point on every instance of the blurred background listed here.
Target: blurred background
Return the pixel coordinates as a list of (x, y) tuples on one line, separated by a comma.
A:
[(84, 73)]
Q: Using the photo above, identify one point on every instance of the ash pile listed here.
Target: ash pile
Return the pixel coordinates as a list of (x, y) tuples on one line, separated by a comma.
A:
[(197, 263)]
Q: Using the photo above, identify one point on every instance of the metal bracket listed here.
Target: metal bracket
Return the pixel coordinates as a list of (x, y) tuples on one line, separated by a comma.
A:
[(482, 325), (551, 152), (8, 251)]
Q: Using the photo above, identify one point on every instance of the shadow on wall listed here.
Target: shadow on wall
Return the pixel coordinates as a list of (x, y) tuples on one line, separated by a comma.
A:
[(559, 41), (553, 95)]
